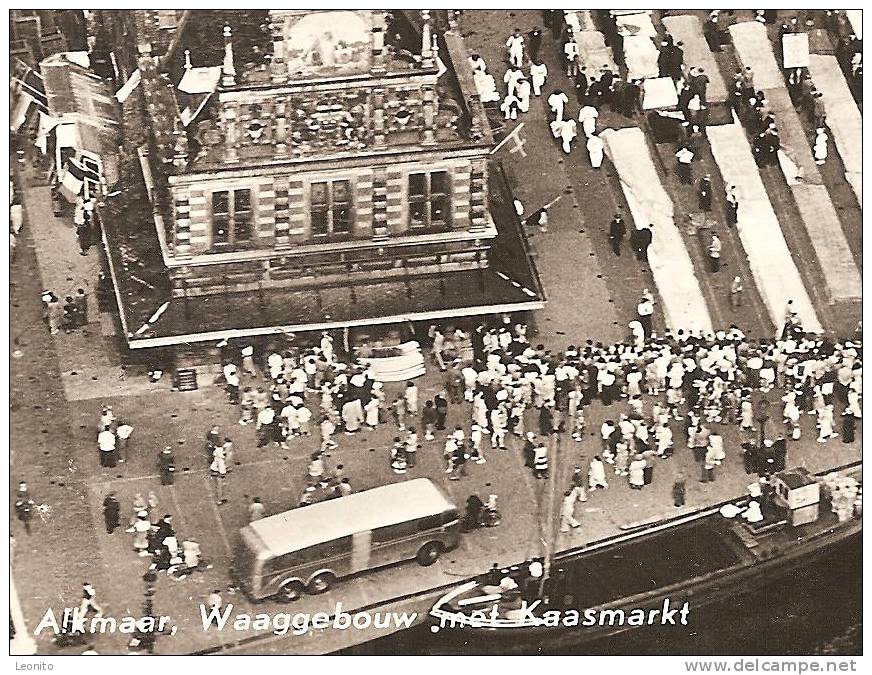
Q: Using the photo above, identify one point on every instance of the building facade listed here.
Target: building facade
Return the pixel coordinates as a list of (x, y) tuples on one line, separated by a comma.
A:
[(293, 150)]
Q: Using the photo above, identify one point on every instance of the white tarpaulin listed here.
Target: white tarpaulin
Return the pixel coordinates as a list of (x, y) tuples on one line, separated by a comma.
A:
[(769, 258), (640, 56), (683, 303), (640, 52), (754, 49), (843, 118), (659, 92), (592, 51), (636, 23), (795, 50), (840, 275)]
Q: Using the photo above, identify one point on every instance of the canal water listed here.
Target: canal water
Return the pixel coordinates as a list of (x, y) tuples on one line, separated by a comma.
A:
[(813, 610)]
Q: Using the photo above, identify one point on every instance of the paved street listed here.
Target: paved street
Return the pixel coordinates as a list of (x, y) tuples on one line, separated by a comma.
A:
[(59, 383)]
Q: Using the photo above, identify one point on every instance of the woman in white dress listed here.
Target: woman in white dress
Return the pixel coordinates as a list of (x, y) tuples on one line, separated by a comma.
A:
[(596, 475), (371, 410), (825, 425)]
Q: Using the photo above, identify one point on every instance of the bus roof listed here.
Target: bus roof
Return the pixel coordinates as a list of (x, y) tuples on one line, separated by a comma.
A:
[(391, 504)]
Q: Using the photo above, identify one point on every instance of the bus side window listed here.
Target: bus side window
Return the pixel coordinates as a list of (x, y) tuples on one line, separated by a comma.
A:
[(430, 523), (390, 533)]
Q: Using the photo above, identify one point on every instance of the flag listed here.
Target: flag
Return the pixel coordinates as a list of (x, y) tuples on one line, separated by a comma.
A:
[(46, 124), (81, 170), (71, 186)]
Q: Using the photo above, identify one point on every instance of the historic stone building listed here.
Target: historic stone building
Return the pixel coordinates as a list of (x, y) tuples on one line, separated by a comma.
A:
[(328, 167)]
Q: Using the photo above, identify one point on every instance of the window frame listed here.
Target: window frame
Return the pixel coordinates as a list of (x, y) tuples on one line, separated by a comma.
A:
[(233, 218), (330, 208), (427, 198)]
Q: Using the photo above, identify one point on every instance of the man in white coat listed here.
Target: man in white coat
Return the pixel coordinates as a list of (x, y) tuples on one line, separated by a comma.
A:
[(515, 45), (587, 116), (538, 73), (522, 91), (595, 151), (568, 132), (557, 102), (511, 79)]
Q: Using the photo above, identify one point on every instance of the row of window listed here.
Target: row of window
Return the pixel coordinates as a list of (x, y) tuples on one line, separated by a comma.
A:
[(331, 208)]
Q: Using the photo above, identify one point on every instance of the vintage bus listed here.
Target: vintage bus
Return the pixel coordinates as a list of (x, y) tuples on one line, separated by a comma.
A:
[(311, 547)]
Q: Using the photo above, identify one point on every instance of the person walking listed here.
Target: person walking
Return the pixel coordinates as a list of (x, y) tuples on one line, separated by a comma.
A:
[(645, 313), (683, 158), (398, 410), (411, 447), (557, 102), (459, 459), (595, 150), (568, 132), (106, 444), (540, 461), (83, 233), (123, 433), (538, 75), (218, 472), (714, 253), (570, 55), (736, 290), (54, 312), (596, 474), (111, 513), (644, 236), (166, 462), (522, 92), (24, 506), (441, 405), (704, 193), (567, 511), (89, 601), (617, 232), (732, 206), (679, 490), (256, 510), (534, 42), (81, 302), (515, 47), (587, 116), (428, 420), (637, 472)]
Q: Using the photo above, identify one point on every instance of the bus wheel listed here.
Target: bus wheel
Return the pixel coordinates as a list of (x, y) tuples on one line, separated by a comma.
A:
[(291, 591), (429, 553), (321, 583)]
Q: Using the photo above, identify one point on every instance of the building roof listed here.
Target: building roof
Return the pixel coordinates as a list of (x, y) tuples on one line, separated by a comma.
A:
[(202, 37), (333, 519)]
